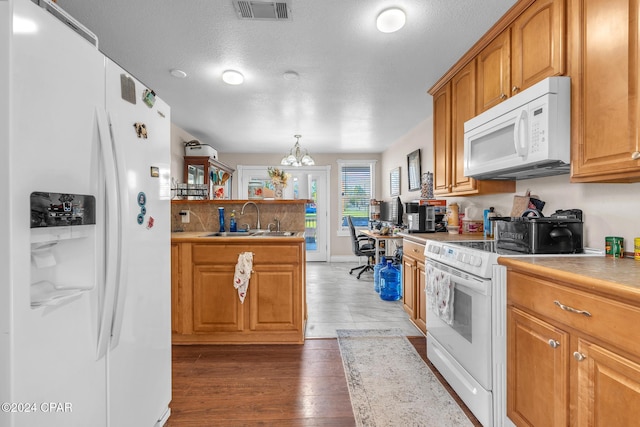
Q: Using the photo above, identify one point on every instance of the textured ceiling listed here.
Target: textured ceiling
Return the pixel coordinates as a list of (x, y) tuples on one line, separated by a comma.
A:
[(359, 90)]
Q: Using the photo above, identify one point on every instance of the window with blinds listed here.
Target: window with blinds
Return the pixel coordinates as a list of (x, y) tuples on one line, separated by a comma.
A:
[(356, 191)]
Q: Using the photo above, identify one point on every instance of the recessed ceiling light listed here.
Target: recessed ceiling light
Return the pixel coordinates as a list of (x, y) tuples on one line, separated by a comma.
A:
[(232, 77), (391, 20), (178, 73), (290, 75)]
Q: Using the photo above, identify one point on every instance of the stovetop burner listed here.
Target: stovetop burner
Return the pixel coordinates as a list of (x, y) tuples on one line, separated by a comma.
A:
[(486, 246), (478, 256)]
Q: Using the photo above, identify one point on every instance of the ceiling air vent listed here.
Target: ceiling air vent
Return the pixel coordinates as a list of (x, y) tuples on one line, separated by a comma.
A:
[(263, 10)]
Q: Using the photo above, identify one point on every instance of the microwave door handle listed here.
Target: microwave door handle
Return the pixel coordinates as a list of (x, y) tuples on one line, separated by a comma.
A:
[(520, 134)]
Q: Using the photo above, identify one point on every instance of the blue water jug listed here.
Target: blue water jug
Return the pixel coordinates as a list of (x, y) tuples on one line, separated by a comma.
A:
[(390, 283), (376, 273)]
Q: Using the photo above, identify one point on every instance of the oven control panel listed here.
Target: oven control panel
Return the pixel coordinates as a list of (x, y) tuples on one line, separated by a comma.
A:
[(470, 260)]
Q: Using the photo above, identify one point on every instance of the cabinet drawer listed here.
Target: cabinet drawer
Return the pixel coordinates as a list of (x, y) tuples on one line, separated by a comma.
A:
[(609, 320), (412, 249), (262, 254)]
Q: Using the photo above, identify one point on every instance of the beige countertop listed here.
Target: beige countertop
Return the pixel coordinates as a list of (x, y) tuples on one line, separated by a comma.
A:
[(204, 236), (611, 276), (605, 274), (442, 237)]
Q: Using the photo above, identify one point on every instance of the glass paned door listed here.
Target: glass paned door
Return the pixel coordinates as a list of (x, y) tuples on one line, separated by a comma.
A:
[(308, 182)]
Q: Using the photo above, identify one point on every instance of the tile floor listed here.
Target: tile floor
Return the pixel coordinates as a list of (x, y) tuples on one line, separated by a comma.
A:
[(338, 300)]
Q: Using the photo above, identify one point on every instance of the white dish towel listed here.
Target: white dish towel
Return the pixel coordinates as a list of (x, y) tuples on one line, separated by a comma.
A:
[(440, 291), (243, 274)]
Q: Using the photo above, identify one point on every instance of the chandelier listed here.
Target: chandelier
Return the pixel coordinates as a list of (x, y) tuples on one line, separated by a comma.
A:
[(297, 156)]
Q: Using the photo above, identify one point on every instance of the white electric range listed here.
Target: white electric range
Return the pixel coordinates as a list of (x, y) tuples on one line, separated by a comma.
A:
[(466, 321)]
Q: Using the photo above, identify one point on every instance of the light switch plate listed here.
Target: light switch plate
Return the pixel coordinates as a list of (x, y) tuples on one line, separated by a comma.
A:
[(186, 216)]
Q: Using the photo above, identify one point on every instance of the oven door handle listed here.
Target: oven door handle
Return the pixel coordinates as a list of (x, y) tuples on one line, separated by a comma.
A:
[(460, 278)]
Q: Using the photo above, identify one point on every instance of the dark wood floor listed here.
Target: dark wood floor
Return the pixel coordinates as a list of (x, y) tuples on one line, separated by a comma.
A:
[(265, 385)]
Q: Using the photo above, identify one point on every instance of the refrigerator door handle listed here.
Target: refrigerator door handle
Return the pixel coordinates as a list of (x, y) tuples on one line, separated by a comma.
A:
[(112, 237), (123, 257)]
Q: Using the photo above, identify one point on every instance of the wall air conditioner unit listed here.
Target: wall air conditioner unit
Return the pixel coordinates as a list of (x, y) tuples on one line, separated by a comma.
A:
[(263, 10)]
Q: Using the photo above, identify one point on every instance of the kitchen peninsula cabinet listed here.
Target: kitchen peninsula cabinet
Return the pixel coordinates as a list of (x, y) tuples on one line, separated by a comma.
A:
[(605, 76), (573, 356), (413, 283), (528, 51), (207, 307)]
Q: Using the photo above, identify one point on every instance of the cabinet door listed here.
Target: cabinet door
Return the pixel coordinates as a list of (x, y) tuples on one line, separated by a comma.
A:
[(463, 99), (494, 72), (442, 140), (421, 297), (537, 44), (603, 36), (408, 285), (537, 371), (216, 306), (608, 388), (276, 302)]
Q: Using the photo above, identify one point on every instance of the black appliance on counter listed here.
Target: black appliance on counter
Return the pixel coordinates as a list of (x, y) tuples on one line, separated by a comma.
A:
[(420, 218), (392, 211), (561, 233)]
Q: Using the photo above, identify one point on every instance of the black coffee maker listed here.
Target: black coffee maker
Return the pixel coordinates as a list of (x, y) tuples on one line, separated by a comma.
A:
[(420, 218)]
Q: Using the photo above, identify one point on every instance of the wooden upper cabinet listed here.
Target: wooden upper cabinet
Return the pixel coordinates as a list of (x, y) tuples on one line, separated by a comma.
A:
[(538, 44), (603, 64), (526, 52), (442, 140), (463, 108), (453, 105), (494, 72)]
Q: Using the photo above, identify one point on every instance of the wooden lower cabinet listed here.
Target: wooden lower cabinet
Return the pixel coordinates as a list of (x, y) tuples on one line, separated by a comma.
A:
[(537, 371), (210, 310), (573, 357), (413, 283)]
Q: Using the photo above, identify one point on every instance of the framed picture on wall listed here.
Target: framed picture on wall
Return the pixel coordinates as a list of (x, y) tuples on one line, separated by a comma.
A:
[(414, 170), (394, 182)]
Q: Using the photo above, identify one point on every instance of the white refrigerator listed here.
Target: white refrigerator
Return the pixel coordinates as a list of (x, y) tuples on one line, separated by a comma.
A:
[(85, 305)]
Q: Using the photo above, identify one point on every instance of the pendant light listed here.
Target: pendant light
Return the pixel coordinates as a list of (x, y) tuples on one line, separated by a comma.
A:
[(297, 156)]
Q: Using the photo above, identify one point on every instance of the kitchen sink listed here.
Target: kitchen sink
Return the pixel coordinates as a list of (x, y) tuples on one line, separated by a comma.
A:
[(252, 233), (228, 234), (280, 233)]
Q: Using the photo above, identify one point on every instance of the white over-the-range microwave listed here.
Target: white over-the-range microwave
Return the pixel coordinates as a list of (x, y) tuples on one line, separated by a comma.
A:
[(526, 136)]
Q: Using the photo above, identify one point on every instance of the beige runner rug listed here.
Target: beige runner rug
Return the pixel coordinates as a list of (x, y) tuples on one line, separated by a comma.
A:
[(390, 385)]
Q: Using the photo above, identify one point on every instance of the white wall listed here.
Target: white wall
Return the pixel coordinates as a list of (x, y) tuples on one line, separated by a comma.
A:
[(609, 209), (178, 137), (396, 155)]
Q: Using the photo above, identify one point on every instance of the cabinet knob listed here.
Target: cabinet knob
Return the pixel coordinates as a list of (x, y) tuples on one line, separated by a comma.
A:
[(515, 89), (503, 96), (635, 155), (579, 356), (553, 343)]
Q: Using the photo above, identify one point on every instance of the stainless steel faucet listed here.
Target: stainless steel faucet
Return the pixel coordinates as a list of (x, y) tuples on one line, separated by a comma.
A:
[(257, 213)]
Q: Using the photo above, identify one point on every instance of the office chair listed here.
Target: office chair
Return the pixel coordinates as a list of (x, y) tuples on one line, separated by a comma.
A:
[(362, 246)]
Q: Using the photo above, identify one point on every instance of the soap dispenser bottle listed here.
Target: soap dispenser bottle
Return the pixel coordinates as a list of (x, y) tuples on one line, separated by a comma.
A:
[(232, 221)]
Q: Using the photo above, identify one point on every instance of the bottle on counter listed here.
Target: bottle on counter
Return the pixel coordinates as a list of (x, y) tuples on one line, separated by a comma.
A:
[(489, 226), (454, 217), (390, 283), (232, 221), (221, 218)]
